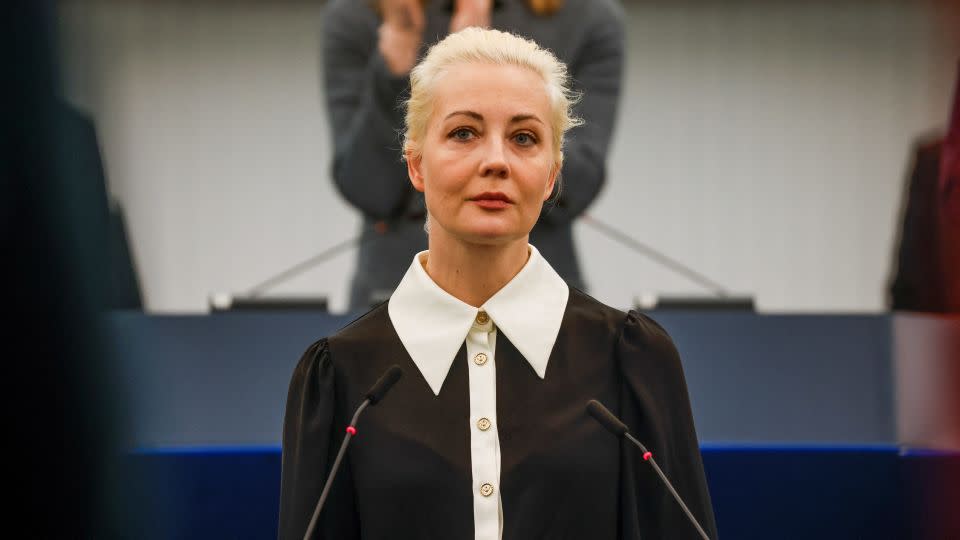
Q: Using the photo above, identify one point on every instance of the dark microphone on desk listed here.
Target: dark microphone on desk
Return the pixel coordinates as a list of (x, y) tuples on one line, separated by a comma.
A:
[(373, 396), (614, 425)]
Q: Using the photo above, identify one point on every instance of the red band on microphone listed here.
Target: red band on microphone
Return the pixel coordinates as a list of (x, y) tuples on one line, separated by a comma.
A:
[(647, 456), (351, 430)]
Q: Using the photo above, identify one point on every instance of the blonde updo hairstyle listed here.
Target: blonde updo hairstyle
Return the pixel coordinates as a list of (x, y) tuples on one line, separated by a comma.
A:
[(485, 46)]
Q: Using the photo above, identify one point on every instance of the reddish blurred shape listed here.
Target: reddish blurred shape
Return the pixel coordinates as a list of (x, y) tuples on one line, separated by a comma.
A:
[(949, 196), (927, 277)]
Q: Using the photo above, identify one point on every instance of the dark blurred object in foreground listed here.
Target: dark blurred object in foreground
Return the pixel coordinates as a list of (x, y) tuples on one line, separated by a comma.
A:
[(86, 200), (60, 393), (928, 261)]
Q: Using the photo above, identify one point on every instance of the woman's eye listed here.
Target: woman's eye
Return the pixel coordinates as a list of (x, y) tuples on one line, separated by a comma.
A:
[(462, 134), (524, 139)]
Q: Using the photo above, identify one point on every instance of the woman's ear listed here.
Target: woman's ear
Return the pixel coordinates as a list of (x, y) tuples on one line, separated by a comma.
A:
[(551, 182), (414, 162)]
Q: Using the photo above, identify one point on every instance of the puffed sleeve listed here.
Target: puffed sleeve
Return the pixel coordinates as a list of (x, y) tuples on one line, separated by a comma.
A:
[(656, 408), (310, 443)]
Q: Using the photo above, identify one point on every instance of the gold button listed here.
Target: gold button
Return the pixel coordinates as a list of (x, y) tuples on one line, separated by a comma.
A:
[(483, 424), (480, 359), (482, 317), (486, 490)]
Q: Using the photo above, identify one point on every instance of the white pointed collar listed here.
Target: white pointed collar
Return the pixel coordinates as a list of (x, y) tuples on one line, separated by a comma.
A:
[(433, 324)]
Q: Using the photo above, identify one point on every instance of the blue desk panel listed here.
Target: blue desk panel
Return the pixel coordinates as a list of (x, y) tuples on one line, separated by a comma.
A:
[(222, 379), (785, 493)]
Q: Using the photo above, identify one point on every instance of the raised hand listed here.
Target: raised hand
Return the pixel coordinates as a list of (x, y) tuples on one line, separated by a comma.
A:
[(400, 34), (470, 13)]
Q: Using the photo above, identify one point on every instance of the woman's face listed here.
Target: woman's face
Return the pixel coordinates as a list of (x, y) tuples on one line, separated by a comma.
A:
[(487, 159)]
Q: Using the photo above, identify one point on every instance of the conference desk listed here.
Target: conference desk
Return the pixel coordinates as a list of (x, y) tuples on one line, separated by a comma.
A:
[(759, 492), (823, 426)]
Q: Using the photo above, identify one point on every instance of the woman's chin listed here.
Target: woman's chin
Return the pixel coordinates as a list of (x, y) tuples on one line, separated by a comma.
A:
[(492, 234), (489, 230)]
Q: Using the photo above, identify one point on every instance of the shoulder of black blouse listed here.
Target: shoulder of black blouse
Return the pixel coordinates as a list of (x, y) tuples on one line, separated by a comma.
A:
[(641, 331), (364, 323), (364, 317), (317, 353), (632, 327), (590, 316), (366, 329), (316, 349), (587, 308)]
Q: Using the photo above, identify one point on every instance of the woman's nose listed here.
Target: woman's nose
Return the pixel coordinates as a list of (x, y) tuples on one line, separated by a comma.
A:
[(494, 163)]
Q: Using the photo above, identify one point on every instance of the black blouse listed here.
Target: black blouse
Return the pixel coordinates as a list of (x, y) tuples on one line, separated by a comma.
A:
[(408, 475)]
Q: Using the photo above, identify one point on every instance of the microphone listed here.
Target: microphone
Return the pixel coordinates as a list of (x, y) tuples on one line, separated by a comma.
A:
[(616, 426), (383, 384), (372, 397), (604, 416)]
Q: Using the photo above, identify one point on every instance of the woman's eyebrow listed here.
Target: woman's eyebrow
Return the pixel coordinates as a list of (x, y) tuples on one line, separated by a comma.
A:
[(522, 117), (479, 117), (471, 114)]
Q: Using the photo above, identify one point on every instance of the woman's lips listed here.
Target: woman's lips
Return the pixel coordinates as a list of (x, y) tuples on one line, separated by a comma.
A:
[(491, 204), (492, 200)]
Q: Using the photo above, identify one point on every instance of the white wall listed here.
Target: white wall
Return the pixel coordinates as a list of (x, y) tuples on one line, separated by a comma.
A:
[(764, 144)]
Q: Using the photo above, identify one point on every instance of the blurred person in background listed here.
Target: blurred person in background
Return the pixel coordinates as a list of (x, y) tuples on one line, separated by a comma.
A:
[(369, 49), (948, 186), (927, 276)]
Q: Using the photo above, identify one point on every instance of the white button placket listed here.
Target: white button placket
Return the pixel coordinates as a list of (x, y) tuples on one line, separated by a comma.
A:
[(484, 441)]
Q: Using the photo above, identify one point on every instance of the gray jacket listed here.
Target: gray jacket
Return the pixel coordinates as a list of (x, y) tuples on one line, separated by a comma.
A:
[(364, 102)]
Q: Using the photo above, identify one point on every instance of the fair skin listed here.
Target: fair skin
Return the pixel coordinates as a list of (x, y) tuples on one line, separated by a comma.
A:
[(486, 166), (401, 32)]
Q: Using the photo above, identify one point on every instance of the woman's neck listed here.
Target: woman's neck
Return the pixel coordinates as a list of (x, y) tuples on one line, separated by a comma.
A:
[(474, 272)]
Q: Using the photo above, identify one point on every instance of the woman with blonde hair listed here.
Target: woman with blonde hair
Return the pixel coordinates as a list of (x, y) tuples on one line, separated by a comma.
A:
[(486, 436), (369, 48)]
